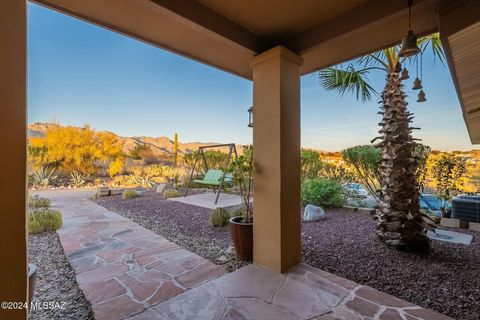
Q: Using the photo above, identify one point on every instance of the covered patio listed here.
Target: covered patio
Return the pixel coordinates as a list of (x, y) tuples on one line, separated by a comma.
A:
[(272, 43)]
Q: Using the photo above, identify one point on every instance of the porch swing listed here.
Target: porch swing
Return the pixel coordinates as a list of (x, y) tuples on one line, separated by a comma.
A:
[(214, 178)]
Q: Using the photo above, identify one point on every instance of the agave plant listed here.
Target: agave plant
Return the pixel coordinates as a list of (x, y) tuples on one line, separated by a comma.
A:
[(142, 179), (78, 179), (43, 176), (400, 221)]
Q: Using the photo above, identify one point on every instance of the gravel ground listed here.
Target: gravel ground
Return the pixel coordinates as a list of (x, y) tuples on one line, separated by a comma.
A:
[(183, 224), (55, 280), (446, 280)]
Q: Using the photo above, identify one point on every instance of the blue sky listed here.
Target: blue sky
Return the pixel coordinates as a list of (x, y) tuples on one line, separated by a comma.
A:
[(82, 74)]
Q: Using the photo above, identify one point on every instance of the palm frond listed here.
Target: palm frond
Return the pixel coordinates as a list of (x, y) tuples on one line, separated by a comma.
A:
[(374, 59), (348, 80), (433, 41)]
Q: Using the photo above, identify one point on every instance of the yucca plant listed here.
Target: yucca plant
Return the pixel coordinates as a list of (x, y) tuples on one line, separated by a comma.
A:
[(400, 222), (43, 176)]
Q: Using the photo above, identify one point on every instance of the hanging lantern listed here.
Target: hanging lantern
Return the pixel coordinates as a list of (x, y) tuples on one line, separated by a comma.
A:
[(409, 41), (404, 75), (409, 45), (417, 84), (421, 96), (250, 117), (398, 67)]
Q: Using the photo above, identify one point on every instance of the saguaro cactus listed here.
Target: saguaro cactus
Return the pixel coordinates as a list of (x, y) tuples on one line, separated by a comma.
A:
[(175, 149)]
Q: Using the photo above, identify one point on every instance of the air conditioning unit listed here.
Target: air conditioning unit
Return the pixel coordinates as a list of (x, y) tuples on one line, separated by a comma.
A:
[(466, 207)]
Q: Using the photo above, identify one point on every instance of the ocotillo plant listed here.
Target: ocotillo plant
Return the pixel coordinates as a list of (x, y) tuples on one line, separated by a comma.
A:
[(175, 149)]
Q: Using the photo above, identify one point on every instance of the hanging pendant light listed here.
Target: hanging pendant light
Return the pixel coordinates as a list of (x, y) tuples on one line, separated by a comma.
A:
[(417, 84), (409, 41), (421, 96), (404, 75)]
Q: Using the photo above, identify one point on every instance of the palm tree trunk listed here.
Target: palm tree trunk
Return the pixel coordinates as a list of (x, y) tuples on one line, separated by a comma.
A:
[(400, 222)]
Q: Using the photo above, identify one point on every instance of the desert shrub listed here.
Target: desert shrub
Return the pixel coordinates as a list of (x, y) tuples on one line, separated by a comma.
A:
[(44, 219), (364, 161), (336, 171), (322, 192), (38, 202), (216, 159), (129, 194), (421, 154), (310, 164), (75, 149), (171, 193), (219, 217), (139, 151), (116, 166), (156, 170), (448, 174), (120, 180)]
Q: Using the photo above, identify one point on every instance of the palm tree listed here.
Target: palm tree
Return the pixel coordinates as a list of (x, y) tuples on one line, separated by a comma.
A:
[(400, 222)]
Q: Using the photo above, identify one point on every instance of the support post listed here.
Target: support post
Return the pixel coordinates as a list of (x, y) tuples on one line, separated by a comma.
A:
[(13, 130), (276, 159)]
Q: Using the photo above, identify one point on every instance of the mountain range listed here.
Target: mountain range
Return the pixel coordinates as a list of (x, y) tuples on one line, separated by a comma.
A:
[(162, 146)]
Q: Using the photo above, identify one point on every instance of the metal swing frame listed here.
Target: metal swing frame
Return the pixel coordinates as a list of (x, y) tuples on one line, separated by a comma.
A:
[(201, 153)]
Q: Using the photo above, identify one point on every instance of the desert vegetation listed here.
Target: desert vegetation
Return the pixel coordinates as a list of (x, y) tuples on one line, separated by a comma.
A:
[(67, 156), (40, 217)]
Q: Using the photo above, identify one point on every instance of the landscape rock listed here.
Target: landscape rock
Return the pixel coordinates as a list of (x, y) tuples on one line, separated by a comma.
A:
[(313, 213), (56, 280), (164, 186)]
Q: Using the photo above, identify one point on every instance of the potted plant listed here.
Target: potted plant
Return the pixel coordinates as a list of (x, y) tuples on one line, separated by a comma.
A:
[(242, 225)]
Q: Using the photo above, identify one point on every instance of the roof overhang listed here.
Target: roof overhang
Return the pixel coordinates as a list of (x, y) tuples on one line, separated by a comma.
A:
[(228, 34), (460, 34)]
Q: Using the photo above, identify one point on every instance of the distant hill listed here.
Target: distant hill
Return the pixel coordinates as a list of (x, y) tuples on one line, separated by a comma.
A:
[(162, 146)]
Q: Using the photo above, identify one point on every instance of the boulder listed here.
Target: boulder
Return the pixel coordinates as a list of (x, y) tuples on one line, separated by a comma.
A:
[(313, 213), (164, 186)]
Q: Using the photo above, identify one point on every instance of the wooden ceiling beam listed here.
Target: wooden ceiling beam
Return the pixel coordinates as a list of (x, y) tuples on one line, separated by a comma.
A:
[(194, 12)]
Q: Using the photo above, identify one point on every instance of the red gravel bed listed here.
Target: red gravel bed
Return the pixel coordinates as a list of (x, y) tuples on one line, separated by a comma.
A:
[(446, 280)]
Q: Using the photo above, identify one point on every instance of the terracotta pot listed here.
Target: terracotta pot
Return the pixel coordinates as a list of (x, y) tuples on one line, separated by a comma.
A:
[(242, 235), (32, 280)]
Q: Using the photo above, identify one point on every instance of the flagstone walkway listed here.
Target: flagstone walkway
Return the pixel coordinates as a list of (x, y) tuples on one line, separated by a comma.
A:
[(121, 267), (129, 272)]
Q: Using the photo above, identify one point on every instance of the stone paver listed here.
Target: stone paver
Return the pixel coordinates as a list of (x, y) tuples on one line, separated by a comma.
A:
[(121, 267), (207, 200), (254, 292), (129, 272)]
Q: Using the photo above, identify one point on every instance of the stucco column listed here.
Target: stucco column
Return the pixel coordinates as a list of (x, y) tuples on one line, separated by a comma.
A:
[(13, 113), (276, 159)]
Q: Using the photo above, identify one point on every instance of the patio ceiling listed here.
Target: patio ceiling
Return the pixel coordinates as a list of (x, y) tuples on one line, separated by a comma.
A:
[(227, 34)]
